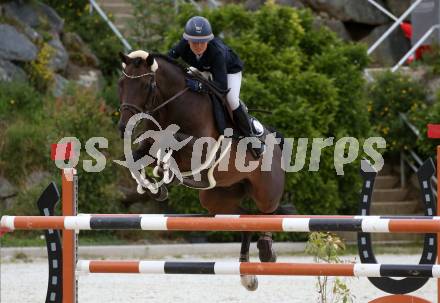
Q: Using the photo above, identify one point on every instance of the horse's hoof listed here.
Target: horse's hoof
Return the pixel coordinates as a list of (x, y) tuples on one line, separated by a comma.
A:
[(249, 282), (162, 195), (265, 251)]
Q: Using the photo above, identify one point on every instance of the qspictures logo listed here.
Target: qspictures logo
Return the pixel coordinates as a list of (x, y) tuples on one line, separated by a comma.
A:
[(163, 145)]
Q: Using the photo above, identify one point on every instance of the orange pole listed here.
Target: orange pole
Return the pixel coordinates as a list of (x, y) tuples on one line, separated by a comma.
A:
[(69, 237), (248, 224), (114, 267), (297, 269), (399, 299)]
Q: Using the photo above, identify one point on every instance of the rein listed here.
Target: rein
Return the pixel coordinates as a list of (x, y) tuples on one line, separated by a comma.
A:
[(137, 109)]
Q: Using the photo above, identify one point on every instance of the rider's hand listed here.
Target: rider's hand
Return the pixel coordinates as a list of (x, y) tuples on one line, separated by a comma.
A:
[(194, 85)]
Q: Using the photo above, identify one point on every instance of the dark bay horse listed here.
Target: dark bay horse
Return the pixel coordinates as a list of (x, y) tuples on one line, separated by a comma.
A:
[(155, 84)]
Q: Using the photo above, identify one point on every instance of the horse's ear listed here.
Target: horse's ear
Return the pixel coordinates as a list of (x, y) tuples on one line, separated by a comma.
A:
[(124, 58), (150, 60)]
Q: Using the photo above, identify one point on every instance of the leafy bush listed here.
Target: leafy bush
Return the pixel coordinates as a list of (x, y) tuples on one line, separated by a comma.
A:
[(40, 75), (312, 82), (26, 145), (151, 22), (18, 97), (390, 95), (421, 116)]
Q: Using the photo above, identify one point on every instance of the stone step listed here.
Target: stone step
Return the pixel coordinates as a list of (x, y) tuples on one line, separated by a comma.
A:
[(404, 208), (387, 169), (389, 195), (117, 8), (104, 2), (386, 182), (123, 16)]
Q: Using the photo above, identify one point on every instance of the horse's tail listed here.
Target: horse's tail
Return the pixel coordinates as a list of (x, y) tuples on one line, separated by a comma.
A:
[(277, 135)]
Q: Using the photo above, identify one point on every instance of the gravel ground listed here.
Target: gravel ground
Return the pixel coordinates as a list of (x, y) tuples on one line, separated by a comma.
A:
[(26, 282)]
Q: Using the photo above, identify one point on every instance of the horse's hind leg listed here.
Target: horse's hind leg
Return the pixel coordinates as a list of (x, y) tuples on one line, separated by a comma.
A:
[(266, 190), (249, 282), (222, 200), (266, 253)]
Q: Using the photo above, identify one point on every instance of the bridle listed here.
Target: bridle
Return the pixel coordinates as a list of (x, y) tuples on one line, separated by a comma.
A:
[(134, 109)]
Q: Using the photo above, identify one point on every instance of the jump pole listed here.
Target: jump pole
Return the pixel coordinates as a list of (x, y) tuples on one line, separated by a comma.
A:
[(366, 224), (69, 200), (434, 133)]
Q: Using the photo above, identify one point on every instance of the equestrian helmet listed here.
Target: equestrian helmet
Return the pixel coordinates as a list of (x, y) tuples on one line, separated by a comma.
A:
[(198, 29)]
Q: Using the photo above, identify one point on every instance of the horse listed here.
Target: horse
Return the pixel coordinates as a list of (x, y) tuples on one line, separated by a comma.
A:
[(155, 84)]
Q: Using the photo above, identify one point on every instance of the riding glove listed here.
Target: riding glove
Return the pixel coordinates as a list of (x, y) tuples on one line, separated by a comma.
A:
[(194, 85)]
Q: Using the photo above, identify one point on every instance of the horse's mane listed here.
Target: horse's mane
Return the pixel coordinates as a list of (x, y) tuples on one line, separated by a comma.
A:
[(170, 60)]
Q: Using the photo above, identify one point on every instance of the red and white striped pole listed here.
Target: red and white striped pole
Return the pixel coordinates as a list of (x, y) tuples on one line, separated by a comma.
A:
[(434, 133)]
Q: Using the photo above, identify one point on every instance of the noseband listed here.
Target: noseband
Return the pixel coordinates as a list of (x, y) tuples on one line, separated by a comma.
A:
[(134, 109)]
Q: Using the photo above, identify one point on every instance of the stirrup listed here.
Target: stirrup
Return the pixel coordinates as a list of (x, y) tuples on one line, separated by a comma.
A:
[(257, 152)]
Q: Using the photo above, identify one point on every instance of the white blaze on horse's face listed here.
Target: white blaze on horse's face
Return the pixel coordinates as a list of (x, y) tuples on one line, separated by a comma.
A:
[(144, 55)]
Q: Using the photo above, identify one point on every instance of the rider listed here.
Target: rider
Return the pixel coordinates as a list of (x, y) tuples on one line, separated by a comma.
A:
[(200, 49)]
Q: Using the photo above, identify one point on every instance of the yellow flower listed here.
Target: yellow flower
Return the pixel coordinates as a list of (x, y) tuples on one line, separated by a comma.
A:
[(12, 101)]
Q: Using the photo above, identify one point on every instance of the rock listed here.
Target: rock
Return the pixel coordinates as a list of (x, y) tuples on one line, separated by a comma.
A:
[(398, 7), (11, 72), (59, 60), (85, 76), (392, 49), (36, 177), (59, 85), (256, 4), (15, 46), (55, 21), (7, 193), (79, 52), (335, 25), (7, 189), (293, 3), (32, 34), (34, 14), (349, 10)]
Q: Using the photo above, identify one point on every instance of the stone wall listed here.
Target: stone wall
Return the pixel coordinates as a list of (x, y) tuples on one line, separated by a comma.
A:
[(355, 20), (27, 26)]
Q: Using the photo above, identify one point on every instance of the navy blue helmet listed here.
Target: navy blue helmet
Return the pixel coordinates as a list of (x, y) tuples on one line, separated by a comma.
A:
[(198, 29)]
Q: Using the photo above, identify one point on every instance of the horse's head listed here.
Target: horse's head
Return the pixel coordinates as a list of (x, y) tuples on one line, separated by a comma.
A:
[(136, 86)]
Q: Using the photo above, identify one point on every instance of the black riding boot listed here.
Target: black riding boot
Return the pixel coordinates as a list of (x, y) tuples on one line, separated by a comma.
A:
[(246, 126)]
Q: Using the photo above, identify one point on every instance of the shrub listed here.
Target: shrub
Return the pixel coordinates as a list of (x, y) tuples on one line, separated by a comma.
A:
[(79, 113), (40, 74), (308, 78), (17, 98), (390, 95)]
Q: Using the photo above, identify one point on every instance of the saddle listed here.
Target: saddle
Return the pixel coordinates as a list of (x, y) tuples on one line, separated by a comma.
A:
[(221, 111)]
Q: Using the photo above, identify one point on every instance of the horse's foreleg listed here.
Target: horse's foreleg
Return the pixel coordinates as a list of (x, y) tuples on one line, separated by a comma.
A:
[(141, 151), (250, 282)]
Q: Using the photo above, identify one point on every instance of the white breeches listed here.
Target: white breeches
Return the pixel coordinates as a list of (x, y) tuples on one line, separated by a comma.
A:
[(234, 85)]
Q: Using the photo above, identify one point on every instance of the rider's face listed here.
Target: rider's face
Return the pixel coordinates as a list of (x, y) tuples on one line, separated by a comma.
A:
[(198, 48)]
